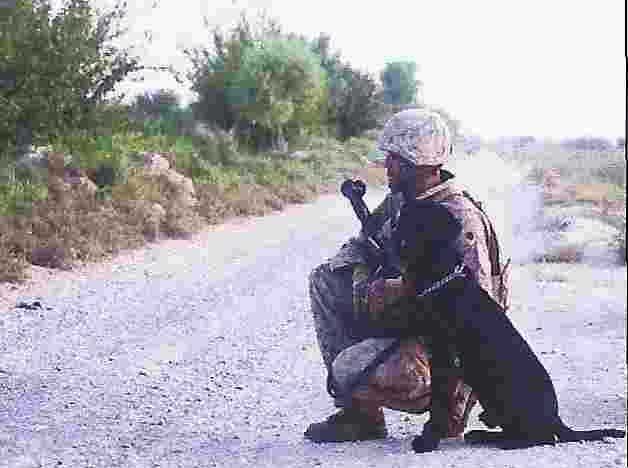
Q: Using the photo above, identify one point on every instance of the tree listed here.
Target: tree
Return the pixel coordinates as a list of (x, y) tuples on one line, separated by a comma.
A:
[(212, 69), (356, 104), (264, 85), (355, 98), (159, 112), (400, 83), (61, 68)]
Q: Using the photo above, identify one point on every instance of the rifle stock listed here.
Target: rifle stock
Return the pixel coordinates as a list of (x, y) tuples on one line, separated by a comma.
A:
[(380, 259)]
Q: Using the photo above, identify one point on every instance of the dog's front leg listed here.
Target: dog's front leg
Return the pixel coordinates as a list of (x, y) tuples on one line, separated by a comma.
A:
[(436, 428), (428, 440)]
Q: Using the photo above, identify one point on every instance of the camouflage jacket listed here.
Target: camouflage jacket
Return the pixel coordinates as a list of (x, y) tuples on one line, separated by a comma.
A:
[(477, 243)]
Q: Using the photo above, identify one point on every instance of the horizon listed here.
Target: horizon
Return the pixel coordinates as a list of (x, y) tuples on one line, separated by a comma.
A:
[(551, 71)]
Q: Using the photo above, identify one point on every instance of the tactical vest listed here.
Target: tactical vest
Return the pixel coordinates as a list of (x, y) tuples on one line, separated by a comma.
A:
[(500, 275)]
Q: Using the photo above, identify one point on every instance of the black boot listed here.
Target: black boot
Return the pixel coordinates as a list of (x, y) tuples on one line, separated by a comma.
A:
[(349, 424)]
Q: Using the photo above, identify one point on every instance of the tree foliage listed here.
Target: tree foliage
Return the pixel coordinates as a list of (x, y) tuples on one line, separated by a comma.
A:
[(400, 83), (280, 86), (61, 68), (260, 83), (355, 99)]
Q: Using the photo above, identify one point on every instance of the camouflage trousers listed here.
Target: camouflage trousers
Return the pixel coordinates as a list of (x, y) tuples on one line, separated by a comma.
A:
[(402, 381)]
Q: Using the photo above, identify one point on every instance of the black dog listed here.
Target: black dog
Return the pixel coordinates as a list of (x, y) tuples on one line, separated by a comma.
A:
[(462, 320)]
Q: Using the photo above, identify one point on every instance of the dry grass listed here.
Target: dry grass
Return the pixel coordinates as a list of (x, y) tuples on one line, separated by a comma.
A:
[(595, 193), (73, 226), (216, 203), (77, 227), (56, 234)]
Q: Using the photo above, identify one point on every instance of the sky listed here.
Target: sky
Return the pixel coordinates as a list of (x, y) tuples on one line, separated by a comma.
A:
[(552, 68)]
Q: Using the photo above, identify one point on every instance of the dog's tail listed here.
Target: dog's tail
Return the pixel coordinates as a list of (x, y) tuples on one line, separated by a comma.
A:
[(566, 434), (561, 434)]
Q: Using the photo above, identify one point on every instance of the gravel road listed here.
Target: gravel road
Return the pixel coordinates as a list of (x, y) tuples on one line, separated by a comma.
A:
[(202, 353)]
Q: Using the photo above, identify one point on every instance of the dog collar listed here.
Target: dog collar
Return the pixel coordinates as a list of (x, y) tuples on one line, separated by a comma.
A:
[(458, 272)]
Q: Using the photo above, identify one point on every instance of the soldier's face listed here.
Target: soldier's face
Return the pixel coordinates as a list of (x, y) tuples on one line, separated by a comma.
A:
[(426, 176)]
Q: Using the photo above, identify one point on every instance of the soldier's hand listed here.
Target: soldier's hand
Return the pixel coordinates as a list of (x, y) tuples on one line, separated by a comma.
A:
[(376, 294)]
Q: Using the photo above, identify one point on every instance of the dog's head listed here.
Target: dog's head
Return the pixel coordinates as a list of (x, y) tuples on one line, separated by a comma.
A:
[(426, 232)]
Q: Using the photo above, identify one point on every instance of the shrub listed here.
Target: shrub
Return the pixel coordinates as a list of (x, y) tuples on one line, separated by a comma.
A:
[(18, 197), (266, 86), (79, 227), (65, 64), (13, 261)]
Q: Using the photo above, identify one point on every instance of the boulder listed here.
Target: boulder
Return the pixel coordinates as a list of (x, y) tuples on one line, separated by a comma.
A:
[(76, 179), (49, 257), (155, 163), (152, 215)]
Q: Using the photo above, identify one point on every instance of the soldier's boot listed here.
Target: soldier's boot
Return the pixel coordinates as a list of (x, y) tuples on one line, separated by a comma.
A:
[(359, 422), (461, 402)]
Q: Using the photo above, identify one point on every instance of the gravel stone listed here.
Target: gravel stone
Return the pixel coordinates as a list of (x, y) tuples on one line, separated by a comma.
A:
[(202, 352)]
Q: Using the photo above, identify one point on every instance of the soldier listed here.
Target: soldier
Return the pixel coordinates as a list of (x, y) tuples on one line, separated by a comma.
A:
[(416, 144)]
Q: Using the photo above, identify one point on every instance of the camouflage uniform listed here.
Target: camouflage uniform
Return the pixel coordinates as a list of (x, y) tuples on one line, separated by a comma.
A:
[(402, 381), (331, 287)]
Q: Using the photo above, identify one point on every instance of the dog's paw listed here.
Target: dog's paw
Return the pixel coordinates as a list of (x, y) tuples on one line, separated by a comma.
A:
[(424, 443)]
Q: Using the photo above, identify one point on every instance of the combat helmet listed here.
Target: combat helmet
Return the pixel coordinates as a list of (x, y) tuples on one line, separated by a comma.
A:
[(420, 136)]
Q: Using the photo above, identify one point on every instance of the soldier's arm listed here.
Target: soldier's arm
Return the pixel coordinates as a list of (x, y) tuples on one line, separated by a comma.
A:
[(351, 252)]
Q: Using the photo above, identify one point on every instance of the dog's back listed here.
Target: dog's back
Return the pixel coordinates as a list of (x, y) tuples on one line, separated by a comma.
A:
[(498, 363)]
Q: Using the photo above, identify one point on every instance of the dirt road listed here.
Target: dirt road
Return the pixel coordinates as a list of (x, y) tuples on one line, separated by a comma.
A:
[(202, 353)]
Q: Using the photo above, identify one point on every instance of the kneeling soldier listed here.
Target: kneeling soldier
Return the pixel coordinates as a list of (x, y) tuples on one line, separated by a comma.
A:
[(416, 144)]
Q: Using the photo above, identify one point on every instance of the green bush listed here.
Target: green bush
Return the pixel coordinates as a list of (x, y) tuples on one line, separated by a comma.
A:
[(18, 197), (63, 64), (265, 85)]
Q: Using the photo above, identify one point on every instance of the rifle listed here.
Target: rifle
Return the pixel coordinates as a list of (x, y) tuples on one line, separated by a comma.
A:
[(380, 258)]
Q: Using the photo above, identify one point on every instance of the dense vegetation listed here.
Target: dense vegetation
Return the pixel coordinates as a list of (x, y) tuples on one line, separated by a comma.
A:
[(279, 118)]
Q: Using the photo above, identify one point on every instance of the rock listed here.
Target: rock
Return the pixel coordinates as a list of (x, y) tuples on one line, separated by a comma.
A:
[(155, 163), (49, 257), (152, 215), (184, 194), (56, 164), (35, 305), (75, 178), (57, 188)]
